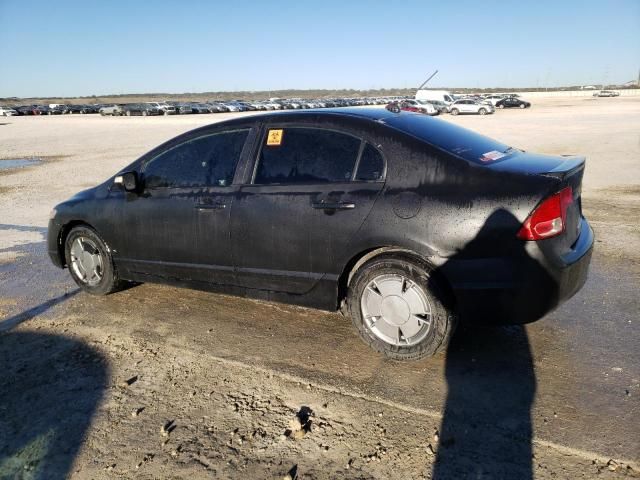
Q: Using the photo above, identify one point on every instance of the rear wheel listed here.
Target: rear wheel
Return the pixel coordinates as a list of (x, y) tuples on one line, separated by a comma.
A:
[(454, 111), (90, 262), (482, 111), (400, 308), (144, 113), (501, 106)]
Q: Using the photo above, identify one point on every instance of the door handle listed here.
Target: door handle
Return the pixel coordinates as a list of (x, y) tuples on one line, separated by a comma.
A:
[(334, 205), (210, 206)]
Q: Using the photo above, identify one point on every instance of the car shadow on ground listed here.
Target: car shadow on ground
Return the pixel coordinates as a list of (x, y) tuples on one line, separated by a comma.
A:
[(50, 388), (486, 430)]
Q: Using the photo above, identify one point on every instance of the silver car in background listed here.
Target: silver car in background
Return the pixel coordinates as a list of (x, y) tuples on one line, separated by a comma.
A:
[(470, 106)]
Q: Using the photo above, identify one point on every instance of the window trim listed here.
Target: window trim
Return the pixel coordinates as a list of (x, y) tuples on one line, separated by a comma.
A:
[(363, 143), (147, 161)]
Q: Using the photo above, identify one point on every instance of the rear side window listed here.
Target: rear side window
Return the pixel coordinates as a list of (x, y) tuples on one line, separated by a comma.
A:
[(306, 155), (204, 161), (371, 166), (451, 138)]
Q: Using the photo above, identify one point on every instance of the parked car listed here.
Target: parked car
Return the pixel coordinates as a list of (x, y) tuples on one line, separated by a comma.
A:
[(412, 106), (40, 109), (139, 109), (24, 110), (470, 106), (494, 98), (606, 93), (8, 111), (512, 102), (57, 110), (113, 110), (442, 107), (405, 222), (163, 107)]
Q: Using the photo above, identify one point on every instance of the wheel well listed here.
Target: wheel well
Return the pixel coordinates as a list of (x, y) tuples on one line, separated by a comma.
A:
[(62, 237), (357, 261)]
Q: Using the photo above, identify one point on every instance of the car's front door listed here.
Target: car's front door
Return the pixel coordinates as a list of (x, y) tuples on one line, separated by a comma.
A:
[(178, 225), (311, 191)]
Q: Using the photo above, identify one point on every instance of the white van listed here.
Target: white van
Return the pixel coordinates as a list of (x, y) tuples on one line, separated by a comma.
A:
[(441, 95)]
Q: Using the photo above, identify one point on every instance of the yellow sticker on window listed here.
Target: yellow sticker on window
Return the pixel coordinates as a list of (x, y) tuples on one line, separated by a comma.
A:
[(274, 138)]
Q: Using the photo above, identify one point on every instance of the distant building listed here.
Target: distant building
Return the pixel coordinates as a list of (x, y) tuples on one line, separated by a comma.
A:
[(587, 87)]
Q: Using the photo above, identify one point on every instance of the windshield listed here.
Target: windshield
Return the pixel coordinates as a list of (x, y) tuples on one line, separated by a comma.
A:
[(451, 138)]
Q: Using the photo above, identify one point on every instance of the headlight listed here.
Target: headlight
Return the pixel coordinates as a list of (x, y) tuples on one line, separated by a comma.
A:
[(52, 213)]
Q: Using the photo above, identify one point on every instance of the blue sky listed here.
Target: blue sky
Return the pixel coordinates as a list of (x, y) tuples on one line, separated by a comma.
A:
[(66, 48)]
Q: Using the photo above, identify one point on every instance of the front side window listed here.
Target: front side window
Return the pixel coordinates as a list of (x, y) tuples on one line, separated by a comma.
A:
[(306, 155), (204, 161)]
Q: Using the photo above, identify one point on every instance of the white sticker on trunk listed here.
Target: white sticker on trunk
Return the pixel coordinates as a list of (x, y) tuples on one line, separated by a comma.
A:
[(492, 156)]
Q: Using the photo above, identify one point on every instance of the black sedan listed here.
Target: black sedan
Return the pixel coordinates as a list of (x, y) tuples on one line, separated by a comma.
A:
[(404, 222), (139, 109), (512, 102)]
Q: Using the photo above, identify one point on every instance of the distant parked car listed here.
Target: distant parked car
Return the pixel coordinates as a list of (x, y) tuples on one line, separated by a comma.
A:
[(139, 109), (512, 102), (606, 93), (113, 110), (442, 107), (57, 110), (165, 108), (8, 112), (24, 110), (470, 106), (40, 109), (494, 99), (417, 106)]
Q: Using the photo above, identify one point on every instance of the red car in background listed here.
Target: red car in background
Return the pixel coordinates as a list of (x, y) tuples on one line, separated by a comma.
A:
[(417, 106)]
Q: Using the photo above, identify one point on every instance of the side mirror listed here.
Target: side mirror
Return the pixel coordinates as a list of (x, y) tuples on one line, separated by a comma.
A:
[(127, 181)]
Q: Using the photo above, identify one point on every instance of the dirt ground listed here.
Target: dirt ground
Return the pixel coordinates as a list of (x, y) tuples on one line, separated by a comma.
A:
[(160, 382)]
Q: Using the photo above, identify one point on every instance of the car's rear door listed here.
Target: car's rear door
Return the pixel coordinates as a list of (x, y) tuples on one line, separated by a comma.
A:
[(311, 190), (178, 226)]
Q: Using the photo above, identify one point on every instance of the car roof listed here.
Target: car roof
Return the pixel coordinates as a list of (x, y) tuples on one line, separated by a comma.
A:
[(373, 114)]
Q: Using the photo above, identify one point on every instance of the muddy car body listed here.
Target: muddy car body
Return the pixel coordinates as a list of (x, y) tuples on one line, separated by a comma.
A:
[(405, 221)]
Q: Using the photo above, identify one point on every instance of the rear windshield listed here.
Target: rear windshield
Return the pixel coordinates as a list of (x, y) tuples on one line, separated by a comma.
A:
[(451, 138)]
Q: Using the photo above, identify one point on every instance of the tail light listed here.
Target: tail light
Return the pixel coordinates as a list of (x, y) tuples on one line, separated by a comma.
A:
[(549, 218)]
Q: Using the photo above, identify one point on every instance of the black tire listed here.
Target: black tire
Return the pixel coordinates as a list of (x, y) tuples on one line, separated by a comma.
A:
[(110, 281), (443, 315), (482, 111), (501, 106), (522, 105), (454, 111)]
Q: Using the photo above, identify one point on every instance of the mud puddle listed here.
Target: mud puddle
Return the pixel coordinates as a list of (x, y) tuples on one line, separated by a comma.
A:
[(12, 163)]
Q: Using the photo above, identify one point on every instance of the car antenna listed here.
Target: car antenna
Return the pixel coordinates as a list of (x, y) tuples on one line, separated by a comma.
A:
[(427, 80)]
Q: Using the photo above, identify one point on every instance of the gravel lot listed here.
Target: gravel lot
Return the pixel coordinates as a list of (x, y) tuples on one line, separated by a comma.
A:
[(159, 382)]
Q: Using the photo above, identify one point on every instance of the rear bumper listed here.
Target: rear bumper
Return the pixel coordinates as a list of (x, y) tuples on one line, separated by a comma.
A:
[(522, 289)]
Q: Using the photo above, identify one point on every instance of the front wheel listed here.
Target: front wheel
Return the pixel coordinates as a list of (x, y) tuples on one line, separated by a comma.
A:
[(482, 111), (90, 263), (522, 105), (400, 308), (454, 111)]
